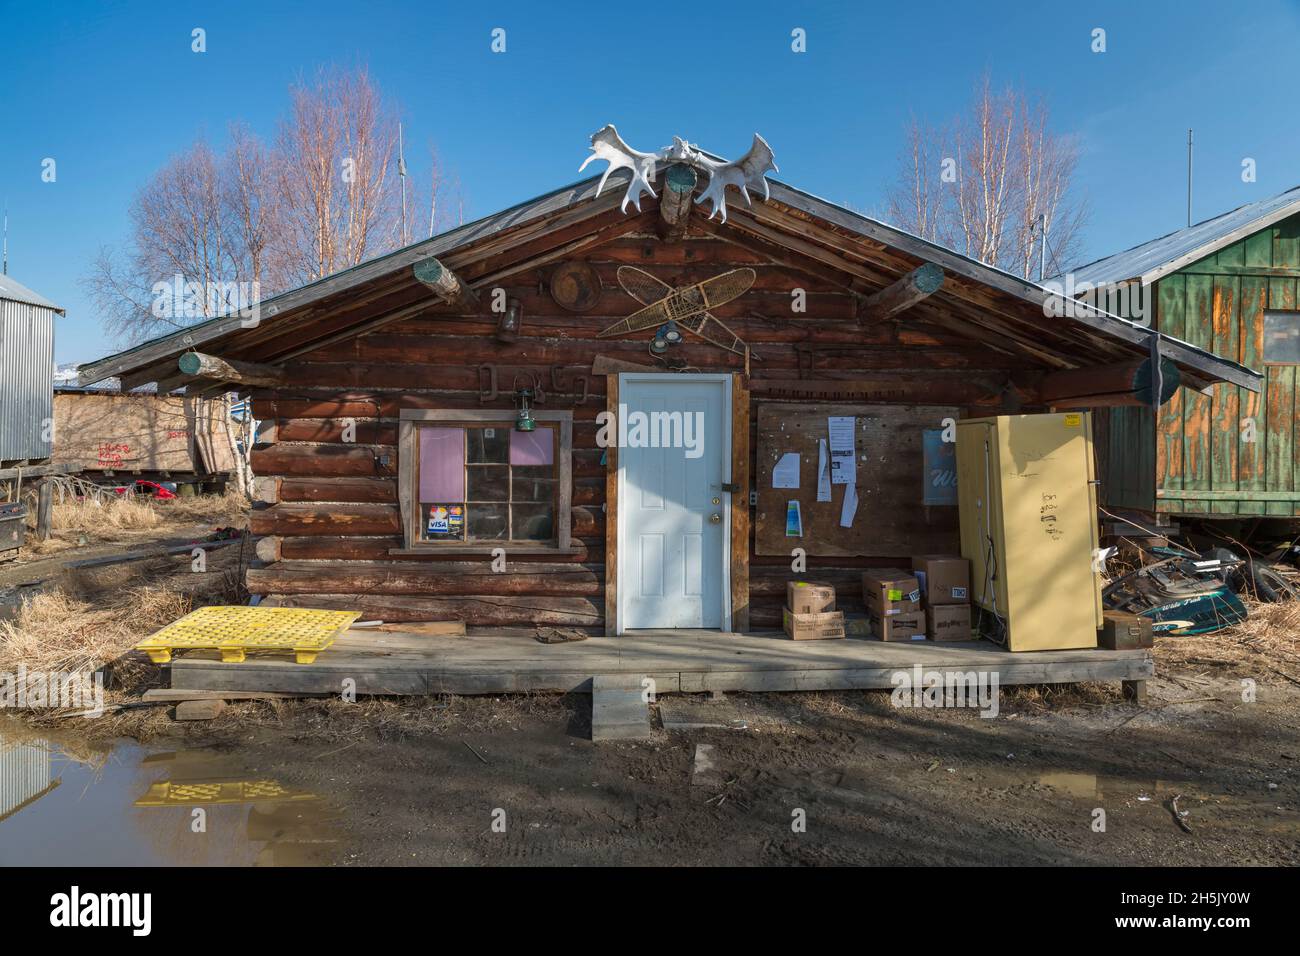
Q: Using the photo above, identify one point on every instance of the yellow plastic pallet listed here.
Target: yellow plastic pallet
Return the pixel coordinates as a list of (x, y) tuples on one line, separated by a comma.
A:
[(169, 793), (234, 631)]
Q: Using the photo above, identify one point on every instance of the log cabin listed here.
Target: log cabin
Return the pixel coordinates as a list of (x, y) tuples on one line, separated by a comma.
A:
[(437, 441)]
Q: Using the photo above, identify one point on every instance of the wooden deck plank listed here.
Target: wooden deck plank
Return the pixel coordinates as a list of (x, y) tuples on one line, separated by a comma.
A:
[(686, 662)]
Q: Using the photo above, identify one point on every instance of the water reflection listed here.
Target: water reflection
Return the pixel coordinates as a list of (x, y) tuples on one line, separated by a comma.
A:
[(67, 804)]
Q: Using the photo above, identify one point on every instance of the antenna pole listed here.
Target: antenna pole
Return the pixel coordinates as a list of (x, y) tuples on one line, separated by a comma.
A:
[(1189, 177), (401, 174)]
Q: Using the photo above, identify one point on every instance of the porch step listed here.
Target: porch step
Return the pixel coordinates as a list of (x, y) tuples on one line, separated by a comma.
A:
[(618, 711)]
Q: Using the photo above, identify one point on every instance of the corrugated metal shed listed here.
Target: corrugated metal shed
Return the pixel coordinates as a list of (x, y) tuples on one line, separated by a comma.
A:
[(26, 362), (1156, 257)]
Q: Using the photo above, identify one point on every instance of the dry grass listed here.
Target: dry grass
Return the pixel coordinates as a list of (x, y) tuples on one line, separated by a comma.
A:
[(1266, 646), (94, 617), (102, 517)]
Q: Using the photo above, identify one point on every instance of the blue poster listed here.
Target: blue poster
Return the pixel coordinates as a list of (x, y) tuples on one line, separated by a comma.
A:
[(940, 469)]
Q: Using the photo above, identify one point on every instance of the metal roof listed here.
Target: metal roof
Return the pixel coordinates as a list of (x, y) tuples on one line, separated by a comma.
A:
[(15, 291), (1157, 257), (1090, 320)]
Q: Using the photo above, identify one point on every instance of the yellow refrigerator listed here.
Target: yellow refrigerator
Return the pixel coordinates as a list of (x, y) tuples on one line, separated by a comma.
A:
[(1027, 497)]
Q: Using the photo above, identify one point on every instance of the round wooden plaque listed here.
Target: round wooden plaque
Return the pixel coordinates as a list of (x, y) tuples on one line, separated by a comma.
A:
[(575, 286)]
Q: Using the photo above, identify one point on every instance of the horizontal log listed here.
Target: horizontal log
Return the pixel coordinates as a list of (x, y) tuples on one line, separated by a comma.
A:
[(375, 490), (276, 405), (483, 611), (322, 518), (216, 369), (378, 548), (444, 283), (918, 284), (455, 578), (268, 549), (319, 460), (317, 519), (1123, 383)]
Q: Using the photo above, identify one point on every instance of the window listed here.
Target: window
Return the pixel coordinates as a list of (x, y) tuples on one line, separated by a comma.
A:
[(470, 481), (1281, 337)]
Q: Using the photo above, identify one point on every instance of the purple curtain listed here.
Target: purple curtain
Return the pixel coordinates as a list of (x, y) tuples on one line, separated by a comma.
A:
[(532, 448), (442, 465)]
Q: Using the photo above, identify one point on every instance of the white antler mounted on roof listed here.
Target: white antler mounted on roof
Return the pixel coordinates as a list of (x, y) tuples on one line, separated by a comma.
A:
[(746, 173)]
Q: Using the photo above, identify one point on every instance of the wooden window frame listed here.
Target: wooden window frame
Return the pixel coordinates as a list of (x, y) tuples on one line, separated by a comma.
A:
[(411, 420)]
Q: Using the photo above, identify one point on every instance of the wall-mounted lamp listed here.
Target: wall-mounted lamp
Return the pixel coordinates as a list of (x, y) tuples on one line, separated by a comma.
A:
[(666, 335), (508, 324)]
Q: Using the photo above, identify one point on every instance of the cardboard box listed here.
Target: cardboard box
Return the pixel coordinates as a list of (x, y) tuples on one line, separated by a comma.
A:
[(944, 578), (900, 627), (809, 597), (1121, 631), (813, 627), (890, 591), (948, 622)]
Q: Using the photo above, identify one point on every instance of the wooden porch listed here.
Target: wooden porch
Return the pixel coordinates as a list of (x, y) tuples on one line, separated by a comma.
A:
[(678, 661)]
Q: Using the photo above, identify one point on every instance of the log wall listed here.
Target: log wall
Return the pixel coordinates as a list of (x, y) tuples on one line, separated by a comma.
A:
[(329, 510)]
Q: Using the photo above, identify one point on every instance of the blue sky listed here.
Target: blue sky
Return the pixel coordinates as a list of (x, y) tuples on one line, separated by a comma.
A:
[(110, 90)]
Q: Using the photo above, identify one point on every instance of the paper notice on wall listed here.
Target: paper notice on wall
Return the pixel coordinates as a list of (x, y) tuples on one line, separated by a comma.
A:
[(823, 471), (850, 507), (786, 472), (793, 520), (844, 469)]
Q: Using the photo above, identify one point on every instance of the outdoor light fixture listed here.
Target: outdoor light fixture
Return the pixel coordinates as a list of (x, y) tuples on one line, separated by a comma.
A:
[(667, 334), (524, 421), (508, 324)]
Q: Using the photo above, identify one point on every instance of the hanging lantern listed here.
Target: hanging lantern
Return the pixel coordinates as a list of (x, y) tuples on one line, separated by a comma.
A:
[(524, 421)]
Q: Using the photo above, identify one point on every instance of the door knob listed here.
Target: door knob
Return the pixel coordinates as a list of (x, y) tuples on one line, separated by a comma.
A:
[(715, 518)]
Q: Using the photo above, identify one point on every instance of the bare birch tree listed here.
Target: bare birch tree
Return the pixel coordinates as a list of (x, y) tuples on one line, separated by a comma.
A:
[(323, 197), (980, 183)]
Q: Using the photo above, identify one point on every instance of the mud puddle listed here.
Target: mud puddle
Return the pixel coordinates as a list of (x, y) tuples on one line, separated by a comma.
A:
[(64, 803)]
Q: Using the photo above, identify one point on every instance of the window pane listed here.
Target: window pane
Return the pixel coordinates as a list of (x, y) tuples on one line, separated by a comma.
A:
[(487, 482), (486, 522), (532, 448), (442, 522), (1281, 338), (533, 522), (442, 464), (490, 444), (533, 489)]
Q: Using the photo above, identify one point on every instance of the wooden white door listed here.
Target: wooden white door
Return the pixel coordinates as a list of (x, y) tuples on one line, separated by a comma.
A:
[(674, 458)]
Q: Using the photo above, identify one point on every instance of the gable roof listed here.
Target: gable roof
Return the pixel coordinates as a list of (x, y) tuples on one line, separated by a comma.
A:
[(998, 308), (1158, 257), (15, 291)]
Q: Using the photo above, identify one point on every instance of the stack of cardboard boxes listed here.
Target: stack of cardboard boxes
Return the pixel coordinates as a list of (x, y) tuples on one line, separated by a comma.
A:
[(893, 599), (810, 613), (944, 581)]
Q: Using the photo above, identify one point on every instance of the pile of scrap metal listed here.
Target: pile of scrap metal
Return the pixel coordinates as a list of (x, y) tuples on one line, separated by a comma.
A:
[(1185, 592)]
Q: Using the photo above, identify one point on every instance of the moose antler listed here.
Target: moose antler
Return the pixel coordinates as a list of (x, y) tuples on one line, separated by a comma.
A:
[(745, 174), (748, 172), (608, 145)]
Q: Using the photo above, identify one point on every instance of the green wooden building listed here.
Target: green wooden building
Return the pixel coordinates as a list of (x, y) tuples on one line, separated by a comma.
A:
[(1230, 285)]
